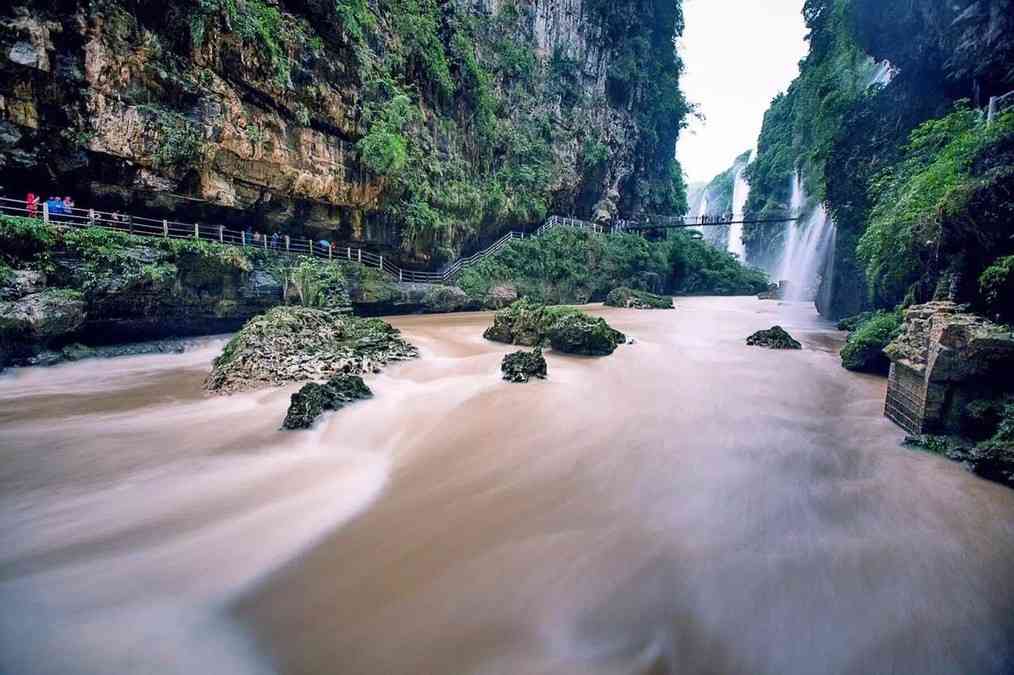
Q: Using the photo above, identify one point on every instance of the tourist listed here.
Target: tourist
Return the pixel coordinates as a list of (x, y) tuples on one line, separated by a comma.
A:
[(32, 205), (248, 236), (324, 244), (68, 205), (55, 206), (274, 240)]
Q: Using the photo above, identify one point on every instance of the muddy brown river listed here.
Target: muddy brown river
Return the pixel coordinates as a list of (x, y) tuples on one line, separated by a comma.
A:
[(687, 505)]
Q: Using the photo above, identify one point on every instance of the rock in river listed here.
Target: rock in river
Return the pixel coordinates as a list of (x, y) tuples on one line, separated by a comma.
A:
[(773, 338), (567, 329), (522, 366), (300, 344), (313, 399)]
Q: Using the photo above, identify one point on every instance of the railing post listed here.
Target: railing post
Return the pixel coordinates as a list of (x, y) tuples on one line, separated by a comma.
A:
[(91, 217), (330, 252), (221, 234), (197, 231), (400, 277), (45, 213), (286, 243), (381, 262), (349, 251), (165, 228), (265, 240), (360, 254), (242, 237)]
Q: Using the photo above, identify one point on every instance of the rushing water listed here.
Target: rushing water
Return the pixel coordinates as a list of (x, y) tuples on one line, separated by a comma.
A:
[(688, 504), (807, 253), (740, 195)]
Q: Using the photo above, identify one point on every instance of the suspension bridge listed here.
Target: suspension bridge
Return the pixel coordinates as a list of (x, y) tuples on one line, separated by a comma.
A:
[(300, 246)]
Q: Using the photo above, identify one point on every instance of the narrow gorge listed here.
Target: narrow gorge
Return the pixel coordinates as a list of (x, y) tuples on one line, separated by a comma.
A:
[(507, 336)]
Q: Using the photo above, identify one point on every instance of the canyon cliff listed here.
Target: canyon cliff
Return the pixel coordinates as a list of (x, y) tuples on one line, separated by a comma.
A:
[(423, 127)]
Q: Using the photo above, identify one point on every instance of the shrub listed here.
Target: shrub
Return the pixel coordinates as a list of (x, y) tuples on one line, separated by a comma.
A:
[(996, 286), (864, 350), (24, 240)]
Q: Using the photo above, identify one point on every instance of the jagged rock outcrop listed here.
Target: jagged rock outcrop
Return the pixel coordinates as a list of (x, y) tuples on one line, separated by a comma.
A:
[(945, 359), (298, 344), (310, 402)]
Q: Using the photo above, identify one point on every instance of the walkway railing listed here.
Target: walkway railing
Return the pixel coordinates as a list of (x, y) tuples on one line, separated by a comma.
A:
[(280, 244)]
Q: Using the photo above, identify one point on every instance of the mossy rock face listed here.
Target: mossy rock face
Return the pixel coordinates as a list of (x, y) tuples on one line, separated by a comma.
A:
[(773, 338), (50, 313), (583, 334), (310, 402), (299, 344), (522, 366), (634, 299), (864, 350)]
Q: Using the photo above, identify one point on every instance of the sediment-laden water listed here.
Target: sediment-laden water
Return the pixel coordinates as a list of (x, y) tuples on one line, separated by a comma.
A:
[(688, 504)]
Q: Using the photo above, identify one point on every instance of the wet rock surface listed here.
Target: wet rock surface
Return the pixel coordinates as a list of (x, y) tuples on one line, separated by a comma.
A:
[(522, 366), (773, 338), (297, 344), (310, 402)]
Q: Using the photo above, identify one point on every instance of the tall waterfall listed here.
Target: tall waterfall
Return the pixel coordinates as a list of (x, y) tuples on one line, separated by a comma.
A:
[(883, 73), (808, 243), (740, 193)]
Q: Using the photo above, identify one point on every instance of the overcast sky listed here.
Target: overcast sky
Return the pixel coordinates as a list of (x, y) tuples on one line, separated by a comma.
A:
[(739, 54)]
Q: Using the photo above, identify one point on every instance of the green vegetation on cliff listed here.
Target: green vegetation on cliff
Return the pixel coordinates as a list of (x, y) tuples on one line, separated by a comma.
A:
[(864, 349), (802, 124), (574, 266), (950, 192)]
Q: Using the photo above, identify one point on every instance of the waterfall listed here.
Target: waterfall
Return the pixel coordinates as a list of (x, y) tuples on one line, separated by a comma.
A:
[(790, 240), (808, 242), (740, 193), (883, 74)]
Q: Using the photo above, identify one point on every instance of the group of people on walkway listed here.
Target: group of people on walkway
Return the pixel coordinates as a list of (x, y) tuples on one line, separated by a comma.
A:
[(57, 206)]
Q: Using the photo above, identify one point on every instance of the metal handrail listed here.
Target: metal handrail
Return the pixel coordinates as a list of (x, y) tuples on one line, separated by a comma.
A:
[(280, 244)]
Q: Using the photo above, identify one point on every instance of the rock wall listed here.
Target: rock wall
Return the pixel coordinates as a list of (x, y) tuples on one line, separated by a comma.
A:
[(944, 360)]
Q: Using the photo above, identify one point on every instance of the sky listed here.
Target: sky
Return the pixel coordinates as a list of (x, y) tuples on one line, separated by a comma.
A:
[(738, 54)]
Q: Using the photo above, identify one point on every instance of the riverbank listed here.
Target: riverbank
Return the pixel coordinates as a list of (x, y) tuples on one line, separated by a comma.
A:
[(689, 499)]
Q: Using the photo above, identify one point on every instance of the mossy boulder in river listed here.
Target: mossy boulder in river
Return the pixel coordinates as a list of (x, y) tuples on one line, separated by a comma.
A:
[(298, 344), (634, 299), (313, 399), (522, 366), (529, 324), (773, 338), (583, 334)]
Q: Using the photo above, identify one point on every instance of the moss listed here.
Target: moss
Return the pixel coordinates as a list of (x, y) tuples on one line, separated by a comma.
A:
[(25, 241), (864, 350)]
